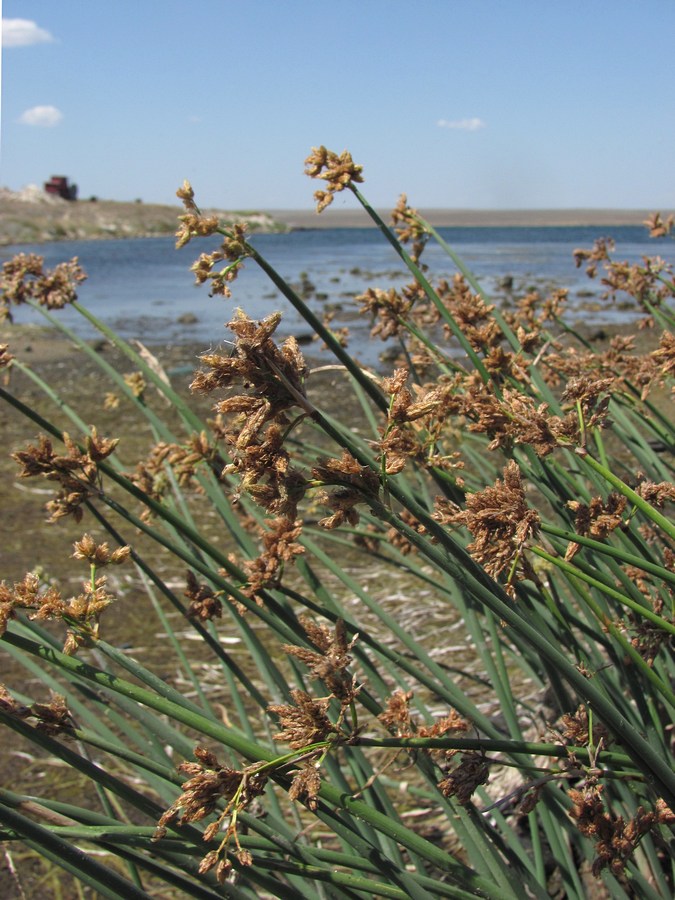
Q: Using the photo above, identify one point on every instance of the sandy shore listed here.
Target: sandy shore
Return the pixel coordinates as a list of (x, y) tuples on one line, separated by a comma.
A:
[(336, 217)]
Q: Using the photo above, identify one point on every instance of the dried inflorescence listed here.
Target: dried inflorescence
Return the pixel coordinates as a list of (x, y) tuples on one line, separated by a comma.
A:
[(76, 471), (501, 523), (339, 172), (330, 664), (53, 718), (205, 603), (81, 612), (615, 838), (24, 278), (273, 379), (415, 422), (409, 228), (356, 484), (305, 722), (211, 784), (657, 227), (597, 518), (99, 554), (575, 729), (5, 356), (280, 543), (273, 376), (234, 249), (398, 720), (193, 223), (471, 771), (650, 283), (306, 785), (388, 308)]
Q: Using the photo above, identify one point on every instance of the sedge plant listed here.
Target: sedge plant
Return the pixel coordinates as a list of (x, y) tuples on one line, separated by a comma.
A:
[(498, 494)]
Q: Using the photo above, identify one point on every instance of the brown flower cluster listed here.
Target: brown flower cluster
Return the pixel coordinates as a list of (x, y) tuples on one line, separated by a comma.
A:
[(415, 424), (398, 540), (650, 284), (193, 223), (81, 612), (5, 356), (501, 523), (471, 771), (331, 661), (657, 227), (234, 249), (398, 720), (76, 471), (99, 555), (273, 378), (516, 418), (598, 518), (615, 838), (356, 483), (24, 278), (575, 728), (339, 172), (183, 460), (280, 542), (209, 784), (205, 603), (52, 718), (389, 308), (304, 722), (657, 494), (599, 252), (409, 228), (618, 363)]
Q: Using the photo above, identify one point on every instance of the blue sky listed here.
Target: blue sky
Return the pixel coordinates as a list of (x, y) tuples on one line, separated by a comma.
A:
[(460, 103)]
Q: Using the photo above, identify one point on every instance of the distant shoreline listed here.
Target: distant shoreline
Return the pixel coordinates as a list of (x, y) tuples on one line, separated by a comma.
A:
[(466, 218), (36, 218)]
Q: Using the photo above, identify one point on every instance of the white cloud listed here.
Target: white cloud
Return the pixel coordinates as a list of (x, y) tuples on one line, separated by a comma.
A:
[(23, 33), (462, 124), (43, 116)]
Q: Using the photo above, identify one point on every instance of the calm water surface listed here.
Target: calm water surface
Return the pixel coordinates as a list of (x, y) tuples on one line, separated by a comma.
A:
[(141, 287)]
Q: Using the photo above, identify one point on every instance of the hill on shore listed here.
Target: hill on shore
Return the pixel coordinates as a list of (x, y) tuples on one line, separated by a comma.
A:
[(31, 216)]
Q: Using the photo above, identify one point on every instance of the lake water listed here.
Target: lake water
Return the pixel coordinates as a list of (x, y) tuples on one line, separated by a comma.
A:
[(141, 287)]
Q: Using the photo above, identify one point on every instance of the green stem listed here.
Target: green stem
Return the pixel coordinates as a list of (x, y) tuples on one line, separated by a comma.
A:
[(256, 754)]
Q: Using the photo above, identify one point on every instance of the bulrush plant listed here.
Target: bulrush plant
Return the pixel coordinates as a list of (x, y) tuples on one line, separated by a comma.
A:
[(507, 483)]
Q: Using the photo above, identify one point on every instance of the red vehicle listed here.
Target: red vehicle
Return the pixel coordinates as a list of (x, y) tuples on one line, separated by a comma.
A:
[(58, 184)]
